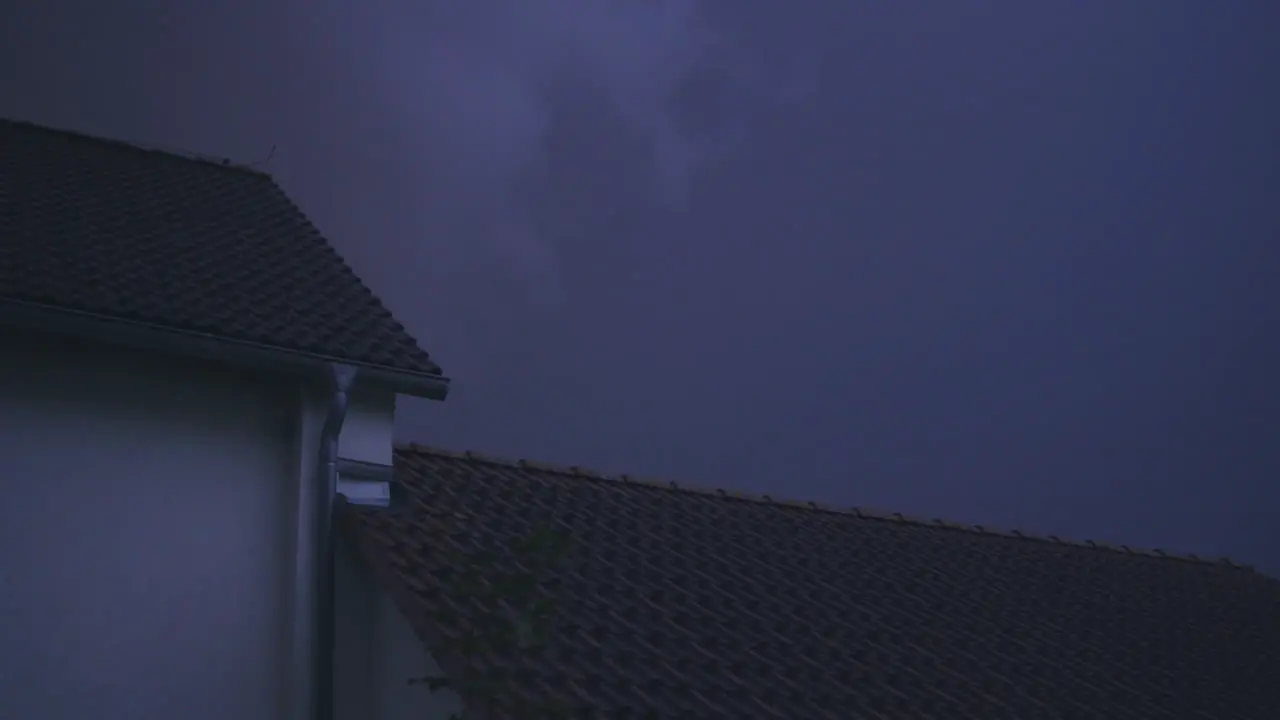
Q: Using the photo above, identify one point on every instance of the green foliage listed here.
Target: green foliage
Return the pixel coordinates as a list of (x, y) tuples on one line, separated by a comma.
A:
[(504, 611)]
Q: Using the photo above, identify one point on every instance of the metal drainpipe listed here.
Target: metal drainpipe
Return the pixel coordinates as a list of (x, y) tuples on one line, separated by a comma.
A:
[(326, 488)]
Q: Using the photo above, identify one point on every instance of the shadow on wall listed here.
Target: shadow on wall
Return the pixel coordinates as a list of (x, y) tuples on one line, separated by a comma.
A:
[(377, 653)]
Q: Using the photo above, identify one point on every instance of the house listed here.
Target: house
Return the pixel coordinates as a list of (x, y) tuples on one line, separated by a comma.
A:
[(678, 602), (188, 373), (186, 366)]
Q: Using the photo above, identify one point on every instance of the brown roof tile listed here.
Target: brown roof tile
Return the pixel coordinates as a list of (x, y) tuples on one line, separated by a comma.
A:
[(685, 603), (103, 227)]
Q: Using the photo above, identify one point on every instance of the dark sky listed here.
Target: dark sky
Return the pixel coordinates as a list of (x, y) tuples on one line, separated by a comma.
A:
[(999, 262)]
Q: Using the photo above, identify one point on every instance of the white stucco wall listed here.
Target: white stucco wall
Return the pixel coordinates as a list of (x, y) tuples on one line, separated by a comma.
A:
[(369, 427), (377, 653), (146, 532)]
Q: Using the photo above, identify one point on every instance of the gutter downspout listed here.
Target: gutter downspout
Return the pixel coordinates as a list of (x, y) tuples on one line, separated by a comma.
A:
[(320, 683)]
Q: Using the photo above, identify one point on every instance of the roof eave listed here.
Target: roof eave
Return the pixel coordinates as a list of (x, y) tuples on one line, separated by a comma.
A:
[(145, 336)]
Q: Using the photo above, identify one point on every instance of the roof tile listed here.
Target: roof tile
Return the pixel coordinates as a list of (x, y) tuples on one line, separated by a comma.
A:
[(689, 603), (133, 234)]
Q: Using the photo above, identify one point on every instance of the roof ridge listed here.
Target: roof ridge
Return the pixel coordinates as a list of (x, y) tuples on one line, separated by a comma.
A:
[(856, 511), (170, 151)]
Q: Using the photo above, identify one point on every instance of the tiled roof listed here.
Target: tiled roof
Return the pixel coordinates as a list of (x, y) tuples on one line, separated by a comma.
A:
[(680, 603), (184, 244)]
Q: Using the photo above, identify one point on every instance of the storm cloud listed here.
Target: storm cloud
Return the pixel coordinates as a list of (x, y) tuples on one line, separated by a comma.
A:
[(479, 89)]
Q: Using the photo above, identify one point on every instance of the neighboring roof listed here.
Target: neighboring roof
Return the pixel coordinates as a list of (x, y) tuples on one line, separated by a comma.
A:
[(683, 603), (182, 244)]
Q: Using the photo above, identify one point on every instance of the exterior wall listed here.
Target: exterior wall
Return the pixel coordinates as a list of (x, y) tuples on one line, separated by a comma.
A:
[(377, 654), (146, 536), (367, 430)]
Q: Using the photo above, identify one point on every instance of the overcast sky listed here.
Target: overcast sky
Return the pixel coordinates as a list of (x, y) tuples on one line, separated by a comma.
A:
[(1002, 262)]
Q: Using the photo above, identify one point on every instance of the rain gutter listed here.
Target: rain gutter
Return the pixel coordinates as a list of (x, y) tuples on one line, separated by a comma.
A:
[(321, 556)]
